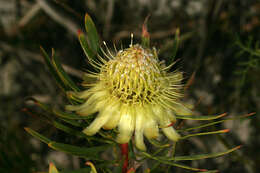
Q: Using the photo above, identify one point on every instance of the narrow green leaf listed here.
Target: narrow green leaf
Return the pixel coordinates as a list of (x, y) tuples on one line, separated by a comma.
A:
[(53, 71), (42, 117), (91, 153), (43, 106), (175, 44), (53, 169), (80, 134), (217, 122), (172, 163), (75, 123), (37, 135), (58, 113), (92, 33), (72, 97), (201, 117), (70, 115), (205, 133), (62, 74), (200, 156), (68, 129), (158, 144), (84, 44), (67, 117)]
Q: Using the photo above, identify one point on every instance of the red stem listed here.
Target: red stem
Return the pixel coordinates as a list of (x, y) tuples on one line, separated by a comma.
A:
[(124, 153)]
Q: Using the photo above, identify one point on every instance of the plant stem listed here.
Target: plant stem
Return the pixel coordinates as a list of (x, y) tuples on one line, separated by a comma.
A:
[(124, 153)]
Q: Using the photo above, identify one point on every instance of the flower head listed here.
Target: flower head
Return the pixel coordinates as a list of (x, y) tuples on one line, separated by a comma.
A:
[(135, 93)]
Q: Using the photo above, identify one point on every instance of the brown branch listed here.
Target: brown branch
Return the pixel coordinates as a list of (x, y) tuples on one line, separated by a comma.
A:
[(37, 57)]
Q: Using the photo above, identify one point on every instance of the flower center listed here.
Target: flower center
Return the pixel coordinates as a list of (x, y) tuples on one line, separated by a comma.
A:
[(133, 75)]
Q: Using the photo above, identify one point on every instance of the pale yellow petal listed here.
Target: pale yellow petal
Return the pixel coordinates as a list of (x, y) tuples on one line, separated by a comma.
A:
[(151, 129), (83, 94), (100, 105), (96, 89), (95, 103), (71, 107), (92, 99), (170, 115), (162, 116), (100, 95), (82, 110), (114, 119), (171, 133), (158, 111), (92, 108), (180, 109), (139, 129), (102, 119), (94, 127), (165, 118), (126, 125), (87, 110)]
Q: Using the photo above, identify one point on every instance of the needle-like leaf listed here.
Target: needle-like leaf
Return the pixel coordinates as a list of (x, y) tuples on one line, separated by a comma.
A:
[(205, 133), (91, 153), (172, 163), (200, 117), (175, 44), (53, 71), (92, 34), (200, 156), (62, 74), (38, 135)]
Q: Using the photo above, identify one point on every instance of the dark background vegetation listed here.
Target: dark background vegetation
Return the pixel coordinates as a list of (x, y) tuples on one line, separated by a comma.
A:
[(219, 41)]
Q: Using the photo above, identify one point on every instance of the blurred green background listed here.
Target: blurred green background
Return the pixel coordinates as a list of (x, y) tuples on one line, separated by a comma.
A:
[(219, 41)]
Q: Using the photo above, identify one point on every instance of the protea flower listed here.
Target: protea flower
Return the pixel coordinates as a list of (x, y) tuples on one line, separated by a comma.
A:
[(133, 92)]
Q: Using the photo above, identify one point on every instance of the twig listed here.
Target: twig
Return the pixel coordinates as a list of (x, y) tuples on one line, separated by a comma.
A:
[(38, 57), (29, 15), (71, 26), (108, 17), (155, 35)]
